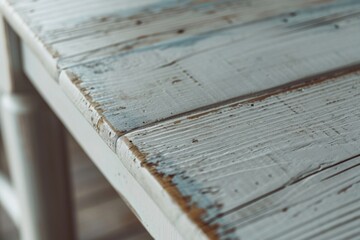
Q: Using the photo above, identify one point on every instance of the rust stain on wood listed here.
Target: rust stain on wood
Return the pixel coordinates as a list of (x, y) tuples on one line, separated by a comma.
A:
[(76, 80), (191, 209), (54, 53)]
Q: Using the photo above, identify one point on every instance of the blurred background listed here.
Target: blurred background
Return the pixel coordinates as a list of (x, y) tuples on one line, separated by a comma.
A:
[(100, 212)]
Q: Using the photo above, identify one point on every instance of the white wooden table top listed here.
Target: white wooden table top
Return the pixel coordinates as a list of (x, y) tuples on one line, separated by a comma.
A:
[(245, 112)]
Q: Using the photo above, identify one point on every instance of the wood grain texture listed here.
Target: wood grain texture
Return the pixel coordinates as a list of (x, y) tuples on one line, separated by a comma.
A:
[(96, 29), (132, 90), (204, 101), (278, 166), (126, 65), (148, 210)]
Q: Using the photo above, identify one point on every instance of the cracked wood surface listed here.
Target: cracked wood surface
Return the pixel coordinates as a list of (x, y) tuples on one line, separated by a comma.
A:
[(227, 104)]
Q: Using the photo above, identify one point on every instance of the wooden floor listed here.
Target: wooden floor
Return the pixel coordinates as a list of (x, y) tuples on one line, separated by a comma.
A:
[(101, 214)]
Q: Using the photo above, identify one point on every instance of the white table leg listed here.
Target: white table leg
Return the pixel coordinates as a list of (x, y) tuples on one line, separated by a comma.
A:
[(34, 146)]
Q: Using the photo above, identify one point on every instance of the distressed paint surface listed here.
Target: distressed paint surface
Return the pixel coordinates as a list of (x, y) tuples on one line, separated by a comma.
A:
[(129, 64), (126, 92), (275, 166), (207, 98), (99, 29)]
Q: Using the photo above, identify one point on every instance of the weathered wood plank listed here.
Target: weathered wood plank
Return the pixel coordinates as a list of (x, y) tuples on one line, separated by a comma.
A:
[(106, 160), (238, 162), (282, 165), (107, 28), (123, 93), (138, 63)]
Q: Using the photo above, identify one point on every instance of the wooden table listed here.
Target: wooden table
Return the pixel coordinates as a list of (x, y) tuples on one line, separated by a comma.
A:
[(216, 119)]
